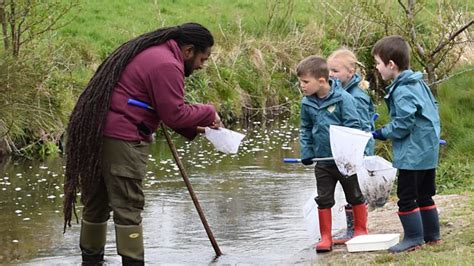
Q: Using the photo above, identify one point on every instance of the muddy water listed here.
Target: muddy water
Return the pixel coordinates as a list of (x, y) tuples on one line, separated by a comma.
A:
[(252, 201)]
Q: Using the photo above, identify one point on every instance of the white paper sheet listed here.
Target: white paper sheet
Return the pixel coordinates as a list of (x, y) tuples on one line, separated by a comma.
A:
[(347, 146), (224, 140)]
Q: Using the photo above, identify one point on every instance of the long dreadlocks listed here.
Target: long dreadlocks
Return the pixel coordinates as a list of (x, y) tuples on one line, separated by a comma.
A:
[(84, 132)]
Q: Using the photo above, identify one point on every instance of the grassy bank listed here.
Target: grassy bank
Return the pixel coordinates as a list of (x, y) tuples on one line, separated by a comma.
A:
[(456, 98), (250, 73)]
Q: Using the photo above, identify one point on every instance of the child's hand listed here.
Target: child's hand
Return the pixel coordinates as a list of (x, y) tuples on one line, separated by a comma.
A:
[(307, 161), (377, 134)]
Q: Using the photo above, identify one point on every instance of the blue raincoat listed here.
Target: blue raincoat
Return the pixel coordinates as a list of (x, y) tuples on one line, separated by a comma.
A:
[(364, 107), (415, 126), (338, 108)]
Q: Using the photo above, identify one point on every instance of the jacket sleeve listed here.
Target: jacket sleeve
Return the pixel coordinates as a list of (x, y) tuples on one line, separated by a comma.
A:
[(350, 117), (404, 119), (306, 135), (167, 94)]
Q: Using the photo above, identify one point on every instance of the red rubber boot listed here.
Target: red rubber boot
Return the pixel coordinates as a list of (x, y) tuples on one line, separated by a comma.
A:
[(360, 219), (325, 225)]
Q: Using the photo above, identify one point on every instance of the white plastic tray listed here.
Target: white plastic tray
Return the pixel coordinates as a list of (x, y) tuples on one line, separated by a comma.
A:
[(372, 242)]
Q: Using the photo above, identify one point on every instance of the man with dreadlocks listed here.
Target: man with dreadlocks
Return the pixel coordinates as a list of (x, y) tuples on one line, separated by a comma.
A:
[(107, 141)]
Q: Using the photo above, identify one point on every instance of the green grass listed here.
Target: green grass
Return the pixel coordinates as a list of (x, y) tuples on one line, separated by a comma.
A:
[(258, 44), (456, 99), (106, 24)]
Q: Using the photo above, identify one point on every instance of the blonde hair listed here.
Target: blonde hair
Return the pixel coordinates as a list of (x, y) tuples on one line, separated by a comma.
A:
[(349, 60)]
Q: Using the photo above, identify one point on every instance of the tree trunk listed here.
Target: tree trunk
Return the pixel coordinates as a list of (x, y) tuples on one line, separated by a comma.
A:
[(430, 71), (3, 21), (15, 39)]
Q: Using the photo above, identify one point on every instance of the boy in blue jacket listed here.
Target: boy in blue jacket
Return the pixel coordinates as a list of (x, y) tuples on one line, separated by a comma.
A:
[(415, 132), (325, 103)]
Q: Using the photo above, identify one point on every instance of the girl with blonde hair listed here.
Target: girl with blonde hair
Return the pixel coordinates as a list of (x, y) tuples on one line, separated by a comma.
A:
[(343, 65)]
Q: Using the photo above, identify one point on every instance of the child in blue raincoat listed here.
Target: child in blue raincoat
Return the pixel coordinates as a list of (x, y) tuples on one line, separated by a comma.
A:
[(343, 65), (414, 130), (324, 104)]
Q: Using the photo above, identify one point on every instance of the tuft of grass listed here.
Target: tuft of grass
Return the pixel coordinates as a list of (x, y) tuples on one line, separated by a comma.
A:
[(38, 92)]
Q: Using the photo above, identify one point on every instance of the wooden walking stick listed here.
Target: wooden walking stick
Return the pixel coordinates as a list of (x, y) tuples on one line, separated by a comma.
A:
[(183, 174), (191, 191)]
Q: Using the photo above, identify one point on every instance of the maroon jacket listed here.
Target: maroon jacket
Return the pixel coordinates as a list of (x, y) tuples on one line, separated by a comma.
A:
[(155, 76)]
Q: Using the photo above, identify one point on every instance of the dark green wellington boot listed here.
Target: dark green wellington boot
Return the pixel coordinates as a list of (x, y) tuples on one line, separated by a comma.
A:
[(92, 242), (413, 231), (430, 218), (345, 236), (130, 244)]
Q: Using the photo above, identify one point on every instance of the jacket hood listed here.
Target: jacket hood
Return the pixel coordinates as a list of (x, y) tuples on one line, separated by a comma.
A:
[(353, 82), (405, 77)]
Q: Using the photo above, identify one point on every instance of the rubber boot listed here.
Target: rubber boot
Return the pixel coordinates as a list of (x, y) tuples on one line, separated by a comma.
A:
[(92, 242), (430, 219), (130, 244), (360, 219), (413, 231), (325, 225), (345, 236)]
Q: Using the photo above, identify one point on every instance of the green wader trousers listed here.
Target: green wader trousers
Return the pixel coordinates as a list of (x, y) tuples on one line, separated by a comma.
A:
[(120, 190)]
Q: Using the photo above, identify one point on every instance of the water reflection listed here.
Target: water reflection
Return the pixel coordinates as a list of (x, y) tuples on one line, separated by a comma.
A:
[(252, 201)]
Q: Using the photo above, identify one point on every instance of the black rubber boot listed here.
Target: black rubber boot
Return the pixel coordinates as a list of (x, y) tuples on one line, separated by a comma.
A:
[(346, 235), (131, 262), (92, 257), (92, 242), (430, 218), (413, 228)]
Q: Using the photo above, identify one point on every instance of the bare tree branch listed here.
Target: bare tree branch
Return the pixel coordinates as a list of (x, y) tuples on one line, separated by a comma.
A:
[(454, 75), (27, 20), (420, 60), (440, 59), (23, 16), (412, 28), (52, 25), (403, 7), (451, 37)]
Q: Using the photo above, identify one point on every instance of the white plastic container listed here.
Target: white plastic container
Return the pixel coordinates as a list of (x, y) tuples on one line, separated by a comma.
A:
[(372, 242)]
